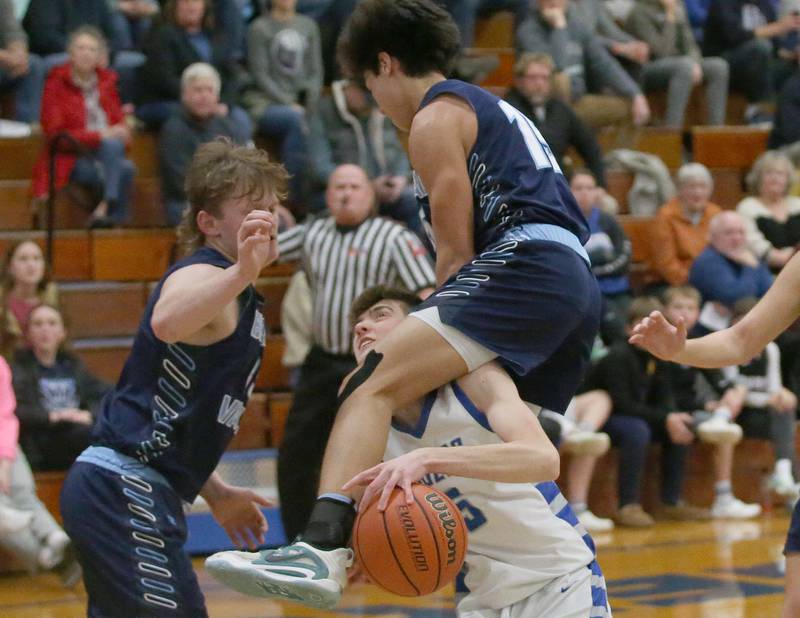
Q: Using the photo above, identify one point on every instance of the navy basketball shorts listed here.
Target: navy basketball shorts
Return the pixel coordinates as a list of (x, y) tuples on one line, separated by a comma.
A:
[(793, 538), (535, 304), (128, 529)]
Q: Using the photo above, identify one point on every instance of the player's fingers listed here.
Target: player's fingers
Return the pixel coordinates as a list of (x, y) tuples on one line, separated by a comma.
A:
[(259, 500), (386, 493), (367, 496), (255, 228), (407, 489), (362, 478)]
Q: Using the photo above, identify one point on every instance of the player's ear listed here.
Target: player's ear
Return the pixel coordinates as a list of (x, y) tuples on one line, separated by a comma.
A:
[(207, 223), (385, 63)]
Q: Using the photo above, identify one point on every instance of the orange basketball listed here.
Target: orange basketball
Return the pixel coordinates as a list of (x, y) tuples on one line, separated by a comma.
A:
[(411, 549)]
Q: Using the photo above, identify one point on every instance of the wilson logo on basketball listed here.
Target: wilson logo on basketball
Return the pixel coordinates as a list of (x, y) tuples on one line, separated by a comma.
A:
[(448, 523), (412, 538)]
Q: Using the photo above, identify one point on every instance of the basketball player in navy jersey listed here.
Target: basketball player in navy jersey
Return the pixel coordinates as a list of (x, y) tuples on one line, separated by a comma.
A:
[(735, 345), (179, 399), (514, 279)]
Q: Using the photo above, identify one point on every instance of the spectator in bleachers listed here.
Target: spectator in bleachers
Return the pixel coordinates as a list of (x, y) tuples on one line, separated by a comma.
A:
[(57, 397), (25, 284), (185, 35), (466, 12), (20, 72), (343, 254), (27, 529), (644, 410), (677, 64), (50, 24), (744, 33), (595, 15), (348, 127), (680, 229), (771, 215), (714, 402), (610, 253), (81, 100), (726, 271), (588, 70), (132, 19), (201, 119), (285, 62), (697, 13), (582, 440), (786, 131), (330, 16), (770, 408), (532, 94)]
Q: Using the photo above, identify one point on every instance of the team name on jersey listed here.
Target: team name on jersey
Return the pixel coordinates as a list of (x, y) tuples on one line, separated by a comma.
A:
[(432, 478)]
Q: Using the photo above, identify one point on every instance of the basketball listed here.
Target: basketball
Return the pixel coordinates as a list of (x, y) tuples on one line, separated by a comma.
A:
[(411, 549)]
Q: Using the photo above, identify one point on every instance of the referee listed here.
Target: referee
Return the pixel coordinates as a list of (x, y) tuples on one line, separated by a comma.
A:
[(342, 255)]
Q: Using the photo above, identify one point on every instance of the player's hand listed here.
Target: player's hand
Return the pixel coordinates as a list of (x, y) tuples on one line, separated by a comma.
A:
[(656, 335), (257, 242), (381, 480), (678, 424), (237, 511), (5, 476)]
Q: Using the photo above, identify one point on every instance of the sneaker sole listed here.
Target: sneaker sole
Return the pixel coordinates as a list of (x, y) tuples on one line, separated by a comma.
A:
[(719, 437), (244, 578), (595, 447)]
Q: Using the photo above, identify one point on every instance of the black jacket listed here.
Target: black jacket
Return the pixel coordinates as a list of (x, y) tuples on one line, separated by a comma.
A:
[(639, 384), (561, 129), (49, 22), (169, 51)]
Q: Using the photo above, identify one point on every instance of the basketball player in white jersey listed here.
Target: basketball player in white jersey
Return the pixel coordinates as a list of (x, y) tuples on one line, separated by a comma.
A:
[(475, 440)]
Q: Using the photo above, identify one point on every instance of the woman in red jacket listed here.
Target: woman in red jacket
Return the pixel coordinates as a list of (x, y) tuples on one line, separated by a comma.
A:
[(81, 99)]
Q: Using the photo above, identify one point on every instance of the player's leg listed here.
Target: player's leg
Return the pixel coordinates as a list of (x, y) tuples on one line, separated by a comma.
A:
[(791, 607), (308, 427), (128, 533)]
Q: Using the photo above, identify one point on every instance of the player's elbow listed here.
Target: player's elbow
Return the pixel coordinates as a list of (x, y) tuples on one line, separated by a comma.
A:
[(546, 463), (164, 328)]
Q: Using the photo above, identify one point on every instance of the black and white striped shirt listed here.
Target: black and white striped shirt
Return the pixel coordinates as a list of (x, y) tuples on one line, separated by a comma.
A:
[(342, 263)]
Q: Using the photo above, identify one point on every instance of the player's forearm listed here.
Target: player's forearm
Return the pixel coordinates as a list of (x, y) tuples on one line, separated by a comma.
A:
[(186, 309), (720, 349), (214, 489), (510, 462)]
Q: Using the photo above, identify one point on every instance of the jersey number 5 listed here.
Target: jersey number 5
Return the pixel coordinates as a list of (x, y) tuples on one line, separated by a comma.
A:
[(473, 516), (539, 150)]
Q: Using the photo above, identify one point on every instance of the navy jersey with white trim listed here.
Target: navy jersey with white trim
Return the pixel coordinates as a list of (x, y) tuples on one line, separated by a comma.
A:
[(515, 177), (176, 406)]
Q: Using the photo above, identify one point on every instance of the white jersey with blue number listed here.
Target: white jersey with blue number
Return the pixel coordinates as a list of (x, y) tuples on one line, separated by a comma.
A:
[(521, 535)]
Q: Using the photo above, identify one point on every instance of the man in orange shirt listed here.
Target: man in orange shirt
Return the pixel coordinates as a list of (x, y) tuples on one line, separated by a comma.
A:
[(680, 230)]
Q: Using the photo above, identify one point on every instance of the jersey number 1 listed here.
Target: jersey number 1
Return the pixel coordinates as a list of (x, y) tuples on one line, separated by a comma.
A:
[(538, 149)]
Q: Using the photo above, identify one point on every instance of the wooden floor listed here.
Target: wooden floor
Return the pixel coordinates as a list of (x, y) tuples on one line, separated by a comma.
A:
[(708, 570)]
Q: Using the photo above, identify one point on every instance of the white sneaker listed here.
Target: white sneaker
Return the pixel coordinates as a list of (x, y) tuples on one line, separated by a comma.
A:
[(593, 523), (298, 572), (13, 520), (582, 442), (783, 485), (733, 508), (52, 553), (717, 430)]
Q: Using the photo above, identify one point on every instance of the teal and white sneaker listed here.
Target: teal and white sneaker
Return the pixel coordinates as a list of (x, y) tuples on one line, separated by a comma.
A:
[(297, 572)]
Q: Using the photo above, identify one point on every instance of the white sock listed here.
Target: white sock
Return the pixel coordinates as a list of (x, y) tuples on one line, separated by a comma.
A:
[(723, 490), (566, 424), (579, 507), (723, 412), (783, 468)]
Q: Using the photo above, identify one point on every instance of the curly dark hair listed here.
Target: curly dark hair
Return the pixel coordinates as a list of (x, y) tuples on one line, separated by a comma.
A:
[(419, 33)]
